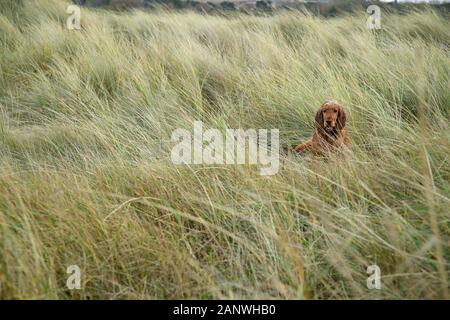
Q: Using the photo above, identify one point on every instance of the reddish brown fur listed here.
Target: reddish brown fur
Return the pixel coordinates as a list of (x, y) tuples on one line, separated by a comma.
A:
[(330, 133)]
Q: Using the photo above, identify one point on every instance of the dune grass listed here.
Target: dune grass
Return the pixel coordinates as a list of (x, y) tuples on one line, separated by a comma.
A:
[(86, 178)]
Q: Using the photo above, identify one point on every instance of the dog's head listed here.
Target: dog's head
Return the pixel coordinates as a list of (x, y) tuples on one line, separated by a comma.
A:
[(331, 116)]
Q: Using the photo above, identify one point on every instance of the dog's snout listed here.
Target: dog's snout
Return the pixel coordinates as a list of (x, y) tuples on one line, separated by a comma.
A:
[(328, 121)]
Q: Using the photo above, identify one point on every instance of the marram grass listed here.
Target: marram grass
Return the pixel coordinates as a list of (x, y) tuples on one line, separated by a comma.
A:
[(86, 178)]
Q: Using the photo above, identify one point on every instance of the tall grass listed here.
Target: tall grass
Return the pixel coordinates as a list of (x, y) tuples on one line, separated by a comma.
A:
[(86, 177)]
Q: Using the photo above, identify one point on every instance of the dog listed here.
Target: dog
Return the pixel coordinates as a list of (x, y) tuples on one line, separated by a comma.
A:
[(330, 134)]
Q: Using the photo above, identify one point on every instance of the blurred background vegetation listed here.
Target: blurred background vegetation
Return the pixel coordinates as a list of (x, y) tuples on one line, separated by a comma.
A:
[(320, 7)]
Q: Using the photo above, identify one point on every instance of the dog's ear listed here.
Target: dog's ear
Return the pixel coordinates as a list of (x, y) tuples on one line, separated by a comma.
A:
[(319, 118), (342, 117)]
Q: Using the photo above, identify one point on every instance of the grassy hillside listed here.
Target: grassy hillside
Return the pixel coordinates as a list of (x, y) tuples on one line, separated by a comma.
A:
[(86, 178)]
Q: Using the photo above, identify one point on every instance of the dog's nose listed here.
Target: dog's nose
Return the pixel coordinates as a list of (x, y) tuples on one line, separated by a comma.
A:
[(328, 121)]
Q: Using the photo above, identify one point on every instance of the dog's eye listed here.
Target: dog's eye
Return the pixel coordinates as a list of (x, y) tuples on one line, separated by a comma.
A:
[(335, 110)]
